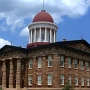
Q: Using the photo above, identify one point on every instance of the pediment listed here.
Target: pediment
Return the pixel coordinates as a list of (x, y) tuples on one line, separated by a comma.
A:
[(6, 48), (84, 46)]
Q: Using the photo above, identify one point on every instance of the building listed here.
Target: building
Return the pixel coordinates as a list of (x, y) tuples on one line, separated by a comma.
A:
[(45, 64)]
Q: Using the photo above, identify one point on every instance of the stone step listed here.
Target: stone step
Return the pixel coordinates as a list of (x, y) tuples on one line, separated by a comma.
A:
[(14, 89)]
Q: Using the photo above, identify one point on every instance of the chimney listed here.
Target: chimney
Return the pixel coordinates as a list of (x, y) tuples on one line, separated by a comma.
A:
[(64, 40)]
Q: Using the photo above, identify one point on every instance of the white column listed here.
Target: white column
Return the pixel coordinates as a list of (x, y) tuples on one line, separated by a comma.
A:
[(54, 36), (31, 36), (40, 35), (50, 35), (34, 34), (45, 34)]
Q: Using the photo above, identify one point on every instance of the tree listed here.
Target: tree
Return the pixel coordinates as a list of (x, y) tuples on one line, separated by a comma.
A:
[(68, 87)]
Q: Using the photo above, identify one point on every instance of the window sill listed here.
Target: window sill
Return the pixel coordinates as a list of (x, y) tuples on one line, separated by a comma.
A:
[(62, 84), (87, 70), (49, 84), (62, 66), (76, 85), (82, 85), (39, 67), (49, 66), (76, 68), (39, 84), (69, 67), (30, 68), (30, 84)]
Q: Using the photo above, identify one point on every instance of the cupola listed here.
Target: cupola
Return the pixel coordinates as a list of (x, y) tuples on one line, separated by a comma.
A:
[(42, 30)]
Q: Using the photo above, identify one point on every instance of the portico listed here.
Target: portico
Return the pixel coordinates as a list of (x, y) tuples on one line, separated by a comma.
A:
[(11, 73)]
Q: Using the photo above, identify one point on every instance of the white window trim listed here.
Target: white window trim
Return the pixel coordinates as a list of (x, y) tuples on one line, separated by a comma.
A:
[(76, 80), (30, 63), (76, 63), (87, 66), (49, 79), (39, 79), (82, 81), (82, 65), (88, 81), (39, 62), (69, 79), (69, 62), (62, 78), (63, 60), (49, 61), (29, 79)]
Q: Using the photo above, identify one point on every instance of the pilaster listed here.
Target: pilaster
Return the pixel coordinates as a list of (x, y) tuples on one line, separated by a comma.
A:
[(11, 74), (44, 71), (18, 74), (4, 75)]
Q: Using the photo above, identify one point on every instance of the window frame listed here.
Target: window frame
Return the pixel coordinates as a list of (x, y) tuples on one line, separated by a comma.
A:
[(39, 62), (88, 81), (69, 62), (87, 66), (42, 37), (69, 79), (30, 80), (62, 79), (49, 79), (82, 81), (30, 63), (39, 80), (62, 61), (82, 64), (76, 80), (49, 61), (76, 63)]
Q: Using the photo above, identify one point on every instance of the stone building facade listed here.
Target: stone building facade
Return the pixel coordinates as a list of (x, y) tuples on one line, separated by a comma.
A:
[(47, 67), (45, 64)]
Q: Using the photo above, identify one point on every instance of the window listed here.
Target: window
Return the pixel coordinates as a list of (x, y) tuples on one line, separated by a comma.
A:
[(87, 79), (42, 37), (76, 80), (62, 61), (82, 81), (49, 79), (39, 79), (62, 79), (87, 66), (30, 63), (49, 61), (76, 63), (30, 80), (69, 79), (69, 62), (82, 64), (39, 62)]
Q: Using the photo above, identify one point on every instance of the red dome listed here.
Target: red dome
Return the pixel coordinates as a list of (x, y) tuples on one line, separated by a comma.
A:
[(43, 16)]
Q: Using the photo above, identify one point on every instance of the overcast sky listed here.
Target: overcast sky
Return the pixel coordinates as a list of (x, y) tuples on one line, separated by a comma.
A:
[(71, 16)]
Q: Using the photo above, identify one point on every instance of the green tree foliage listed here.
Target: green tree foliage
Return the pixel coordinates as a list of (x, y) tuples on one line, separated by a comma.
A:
[(68, 87)]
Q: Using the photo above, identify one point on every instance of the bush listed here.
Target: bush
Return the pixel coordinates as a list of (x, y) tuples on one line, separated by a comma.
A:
[(68, 87), (0, 88)]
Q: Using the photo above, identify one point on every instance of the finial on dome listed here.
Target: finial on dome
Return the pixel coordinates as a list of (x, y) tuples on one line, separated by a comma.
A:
[(43, 4), (43, 7)]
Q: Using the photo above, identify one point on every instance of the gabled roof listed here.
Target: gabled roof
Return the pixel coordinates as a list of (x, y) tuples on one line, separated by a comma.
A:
[(63, 44), (9, 48)]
